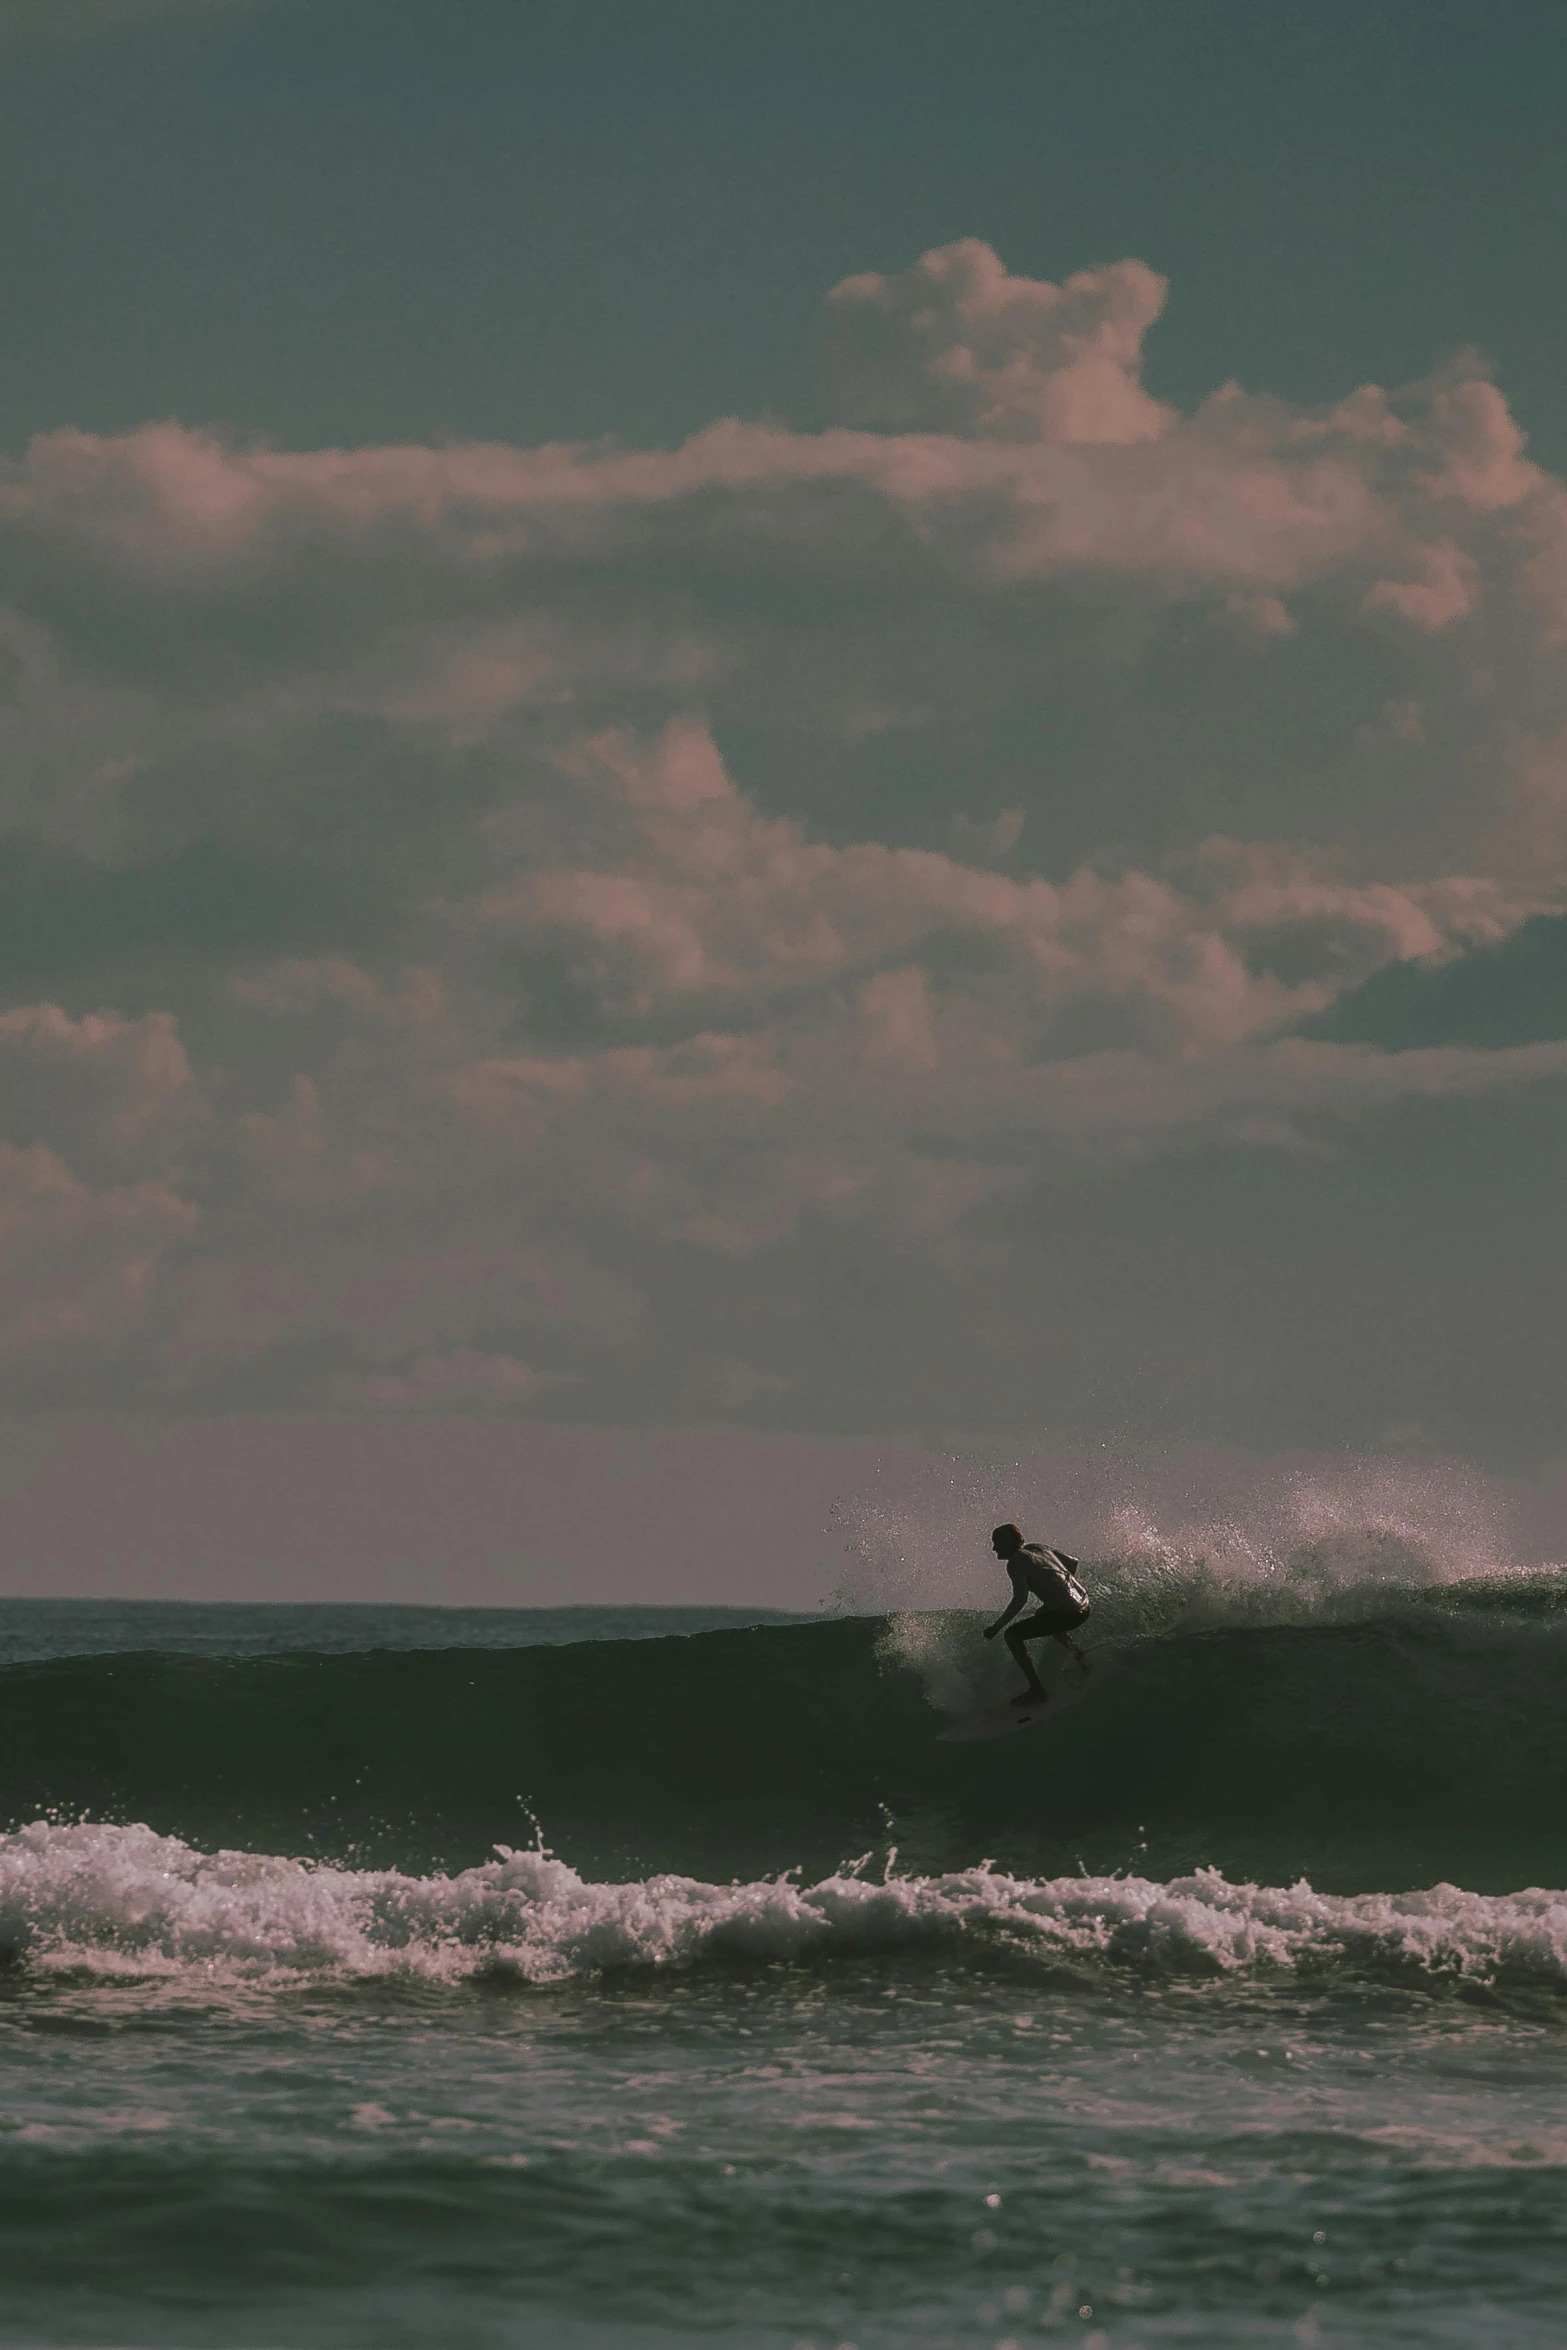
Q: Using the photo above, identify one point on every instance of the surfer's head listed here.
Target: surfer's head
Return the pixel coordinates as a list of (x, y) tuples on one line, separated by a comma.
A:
[(1006, 1540)]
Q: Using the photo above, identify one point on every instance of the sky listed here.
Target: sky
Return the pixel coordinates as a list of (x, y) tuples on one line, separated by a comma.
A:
[(847, 725)]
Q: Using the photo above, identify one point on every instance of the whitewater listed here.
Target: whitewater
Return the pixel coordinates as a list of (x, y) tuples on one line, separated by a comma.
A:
[(392, 1977), (126, 1902)]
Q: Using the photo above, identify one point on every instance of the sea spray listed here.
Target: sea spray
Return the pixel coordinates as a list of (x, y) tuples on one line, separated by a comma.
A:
[(1178, 1549)]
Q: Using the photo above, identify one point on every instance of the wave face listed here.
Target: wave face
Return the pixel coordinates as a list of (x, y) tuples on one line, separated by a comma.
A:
[(1421, 1744)]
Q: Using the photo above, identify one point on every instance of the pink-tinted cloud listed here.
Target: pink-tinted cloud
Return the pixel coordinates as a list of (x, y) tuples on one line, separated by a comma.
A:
[(78, 1270), (956, 344), (740, 871), (112, 1090)]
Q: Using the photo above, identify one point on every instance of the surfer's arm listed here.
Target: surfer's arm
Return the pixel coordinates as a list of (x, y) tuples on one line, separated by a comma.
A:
[(1015, 1605)]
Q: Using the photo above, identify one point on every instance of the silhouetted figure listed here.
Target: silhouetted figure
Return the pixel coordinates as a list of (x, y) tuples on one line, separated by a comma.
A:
[(1050, 1577)]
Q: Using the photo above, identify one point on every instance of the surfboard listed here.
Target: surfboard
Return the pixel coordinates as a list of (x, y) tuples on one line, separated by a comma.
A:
[(1002, 1721), (1001, 1725)]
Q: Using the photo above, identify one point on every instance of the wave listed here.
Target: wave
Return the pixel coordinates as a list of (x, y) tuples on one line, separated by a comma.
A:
[(1194, 1547), (1373, 1751), (117, 1902)]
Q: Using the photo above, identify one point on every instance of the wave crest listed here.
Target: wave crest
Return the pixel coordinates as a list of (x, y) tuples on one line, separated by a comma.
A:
[(1321, 1542)]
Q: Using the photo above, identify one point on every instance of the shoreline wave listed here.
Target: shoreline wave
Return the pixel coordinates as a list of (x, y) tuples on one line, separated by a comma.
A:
[(118, 1902)]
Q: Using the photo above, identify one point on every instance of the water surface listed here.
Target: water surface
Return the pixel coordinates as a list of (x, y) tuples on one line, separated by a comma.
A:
[(369, 1985)]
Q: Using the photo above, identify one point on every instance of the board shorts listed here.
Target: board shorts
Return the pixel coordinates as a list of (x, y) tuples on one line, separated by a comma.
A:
[(1064, 1618)]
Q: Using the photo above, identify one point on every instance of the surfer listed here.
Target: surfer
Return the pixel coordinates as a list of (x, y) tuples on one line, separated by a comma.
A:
[(1050, 1577)]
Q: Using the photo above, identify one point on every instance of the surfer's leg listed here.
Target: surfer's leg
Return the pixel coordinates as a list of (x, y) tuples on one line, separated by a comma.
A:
[(1017, 1640), (1063, 1637)]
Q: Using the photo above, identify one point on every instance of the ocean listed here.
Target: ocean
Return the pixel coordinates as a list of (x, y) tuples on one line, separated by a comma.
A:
[(613, 1979)]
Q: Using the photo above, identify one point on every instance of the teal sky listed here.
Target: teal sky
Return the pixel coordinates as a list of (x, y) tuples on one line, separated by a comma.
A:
[(362, 220), (843, 723)]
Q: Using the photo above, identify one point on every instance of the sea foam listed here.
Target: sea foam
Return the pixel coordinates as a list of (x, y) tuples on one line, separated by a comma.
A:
[(118, 1901)]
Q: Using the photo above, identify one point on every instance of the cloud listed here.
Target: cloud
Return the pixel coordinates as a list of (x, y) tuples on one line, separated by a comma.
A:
[(78, 1270), (957, 344), (1446, 588), (693, 898), (460, 1381), (111, 1091), (1512, 992), (768, 927), (867, 609)]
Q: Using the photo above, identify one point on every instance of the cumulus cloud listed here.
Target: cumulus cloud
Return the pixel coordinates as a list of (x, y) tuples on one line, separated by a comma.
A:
[(957, 344), (892, 611), (694, 898), (688, 931), (78, 1269), (112, 1091), (1446, 587)]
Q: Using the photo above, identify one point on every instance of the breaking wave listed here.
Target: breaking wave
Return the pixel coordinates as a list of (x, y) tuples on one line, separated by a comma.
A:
[(1323, 1541), (1359, 1749), (127, 1902)]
